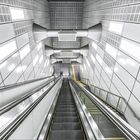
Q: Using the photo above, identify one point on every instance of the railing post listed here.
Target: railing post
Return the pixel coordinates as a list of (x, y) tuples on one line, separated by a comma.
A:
[(107, 96), (118, 103), (99, 92)]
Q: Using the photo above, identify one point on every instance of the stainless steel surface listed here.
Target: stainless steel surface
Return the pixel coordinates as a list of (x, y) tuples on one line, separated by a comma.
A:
[(10, 120), (117, 102), (19, 100), (129, 131), (90, 127), (22, 83), (44, 131)]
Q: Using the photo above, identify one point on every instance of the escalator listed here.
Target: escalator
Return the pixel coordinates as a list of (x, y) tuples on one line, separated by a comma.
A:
[(66, 124), (107, 128)]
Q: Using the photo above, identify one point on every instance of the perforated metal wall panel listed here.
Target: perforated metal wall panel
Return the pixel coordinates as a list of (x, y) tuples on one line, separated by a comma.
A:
[(66, 15)]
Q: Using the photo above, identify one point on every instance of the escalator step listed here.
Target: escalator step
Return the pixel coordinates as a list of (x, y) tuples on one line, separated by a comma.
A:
[(66, 126), (61, 114), (65, 109), (65, 119), (66, 135), (65, 106)]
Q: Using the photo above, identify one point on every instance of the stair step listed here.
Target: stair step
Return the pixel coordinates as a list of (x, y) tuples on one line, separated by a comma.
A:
[(66, 135), (65, 109), (66, 126), (65, 114), (63, 106), (65, 119)]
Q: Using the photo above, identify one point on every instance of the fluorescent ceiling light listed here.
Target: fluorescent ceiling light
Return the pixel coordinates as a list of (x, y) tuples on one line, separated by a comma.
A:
[(122, 61), (111, 50), (88, 62), (46, 63), (18, 69), (24, 51), (41, 59), (125, 62), (108, 70), (84, 66), (116, 69), (7, 49), (3, 64), (35, 60), (130, 62), (93, 58), (11, 67), (116, 27), (24, 67), (99, 59), (15, 55), (131, 48), (17, 13), (39, 46), (94, 45)]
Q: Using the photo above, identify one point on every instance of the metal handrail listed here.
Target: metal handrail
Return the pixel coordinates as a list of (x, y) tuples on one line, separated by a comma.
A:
[(24, 97), (91, 129), (129, 131), (120, 99), (6, 133), (23, 83), (43, 134)]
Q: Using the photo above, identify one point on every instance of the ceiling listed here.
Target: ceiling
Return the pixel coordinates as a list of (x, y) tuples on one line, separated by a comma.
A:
[(66, 14)]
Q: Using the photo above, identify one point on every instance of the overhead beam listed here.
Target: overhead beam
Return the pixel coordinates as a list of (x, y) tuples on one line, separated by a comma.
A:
[(41, 33)]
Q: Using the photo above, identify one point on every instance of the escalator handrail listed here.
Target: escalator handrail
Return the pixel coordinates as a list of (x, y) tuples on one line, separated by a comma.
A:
[(23, 83), (120, 98), (24, 97), (101, 88), (7, 132), (44, 132), (91, 129), (128, 130)]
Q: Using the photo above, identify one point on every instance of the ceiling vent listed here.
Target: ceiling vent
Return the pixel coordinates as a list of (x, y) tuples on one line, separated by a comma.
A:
[(67, 36)]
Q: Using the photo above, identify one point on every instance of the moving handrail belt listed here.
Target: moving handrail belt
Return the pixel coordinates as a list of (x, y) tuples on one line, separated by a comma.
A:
[(19, 100), (8, 130)]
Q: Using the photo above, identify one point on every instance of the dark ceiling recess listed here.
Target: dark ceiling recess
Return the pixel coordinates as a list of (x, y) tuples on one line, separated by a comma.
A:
[(66, 14)]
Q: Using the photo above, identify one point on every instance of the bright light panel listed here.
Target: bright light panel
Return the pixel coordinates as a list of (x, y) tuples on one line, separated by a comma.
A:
[(24, 51), (17, 13), (88, 62), (35, 60), (24, 67), (93, 58), (94, 45), (11, 67), (39, 46), (41, 59), (131, 48), (111, 50), (18, 69), (99, 59), (108, 70), (116, 27), (4, 64), (7, 49)]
